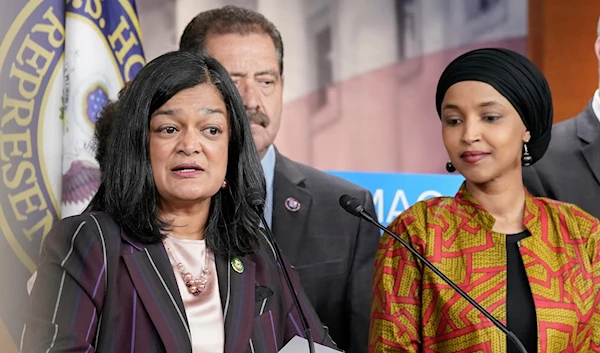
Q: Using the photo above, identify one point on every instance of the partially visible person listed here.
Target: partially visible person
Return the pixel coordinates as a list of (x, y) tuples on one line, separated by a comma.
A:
[(570, 170), (103, 124), (169, 257), (533, 263), (333, 252), (101, 132)]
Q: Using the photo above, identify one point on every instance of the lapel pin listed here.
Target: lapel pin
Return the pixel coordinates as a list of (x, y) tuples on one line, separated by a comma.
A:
[(292, 204), (237, 265)]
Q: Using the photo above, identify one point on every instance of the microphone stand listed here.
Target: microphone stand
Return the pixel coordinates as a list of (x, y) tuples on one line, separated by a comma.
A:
[(258, 205)]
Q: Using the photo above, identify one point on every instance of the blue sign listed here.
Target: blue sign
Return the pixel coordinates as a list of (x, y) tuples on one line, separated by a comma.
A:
[(393, 193)]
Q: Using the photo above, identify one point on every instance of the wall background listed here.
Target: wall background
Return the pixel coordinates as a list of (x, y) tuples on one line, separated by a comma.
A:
[(360, 76)]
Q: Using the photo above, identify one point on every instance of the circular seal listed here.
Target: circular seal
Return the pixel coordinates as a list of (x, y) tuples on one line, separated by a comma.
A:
[(35, 73), (31, 67)]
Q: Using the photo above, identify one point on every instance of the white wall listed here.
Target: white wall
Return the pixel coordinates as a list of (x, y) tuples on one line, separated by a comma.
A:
[(364, 32), (157, 20)]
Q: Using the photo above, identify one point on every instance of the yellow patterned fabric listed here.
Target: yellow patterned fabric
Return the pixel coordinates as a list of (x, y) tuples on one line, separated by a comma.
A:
[(415, 311)]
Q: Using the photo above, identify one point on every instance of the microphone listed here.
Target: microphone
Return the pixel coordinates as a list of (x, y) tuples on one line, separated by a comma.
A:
[(353, 206), (255, 199)]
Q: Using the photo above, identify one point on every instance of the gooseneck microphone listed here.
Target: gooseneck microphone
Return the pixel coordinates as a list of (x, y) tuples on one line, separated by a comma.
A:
[(255, 199), (353, 206)]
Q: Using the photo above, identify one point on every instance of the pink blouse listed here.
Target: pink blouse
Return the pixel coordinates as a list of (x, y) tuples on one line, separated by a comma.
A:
[(204, 311)]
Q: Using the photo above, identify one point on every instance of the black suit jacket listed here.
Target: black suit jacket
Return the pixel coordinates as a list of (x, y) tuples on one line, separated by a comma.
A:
[(98, 290), (570, 169), (332, 251)]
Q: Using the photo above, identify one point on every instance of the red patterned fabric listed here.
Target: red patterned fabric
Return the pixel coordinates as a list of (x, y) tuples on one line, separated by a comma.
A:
[(414, 310)]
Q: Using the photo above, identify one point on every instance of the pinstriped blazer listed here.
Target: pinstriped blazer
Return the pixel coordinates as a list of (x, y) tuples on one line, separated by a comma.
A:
[(97, 290)]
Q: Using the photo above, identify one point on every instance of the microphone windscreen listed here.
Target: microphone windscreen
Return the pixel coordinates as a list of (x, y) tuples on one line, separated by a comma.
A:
[(351, 205), (254, 197)]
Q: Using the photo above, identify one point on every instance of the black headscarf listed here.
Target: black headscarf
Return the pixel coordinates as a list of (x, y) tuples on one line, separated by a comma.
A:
[(514, 77)]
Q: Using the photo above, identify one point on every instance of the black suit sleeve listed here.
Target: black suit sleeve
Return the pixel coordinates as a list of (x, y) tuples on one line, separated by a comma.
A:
[(359, 291)]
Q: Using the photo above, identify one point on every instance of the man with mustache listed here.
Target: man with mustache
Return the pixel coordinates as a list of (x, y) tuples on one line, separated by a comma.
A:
[(333, 252), (259, 118)]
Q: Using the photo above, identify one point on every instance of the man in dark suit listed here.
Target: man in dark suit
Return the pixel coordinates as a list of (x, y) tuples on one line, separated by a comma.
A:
[(570, 169), (332, 251)]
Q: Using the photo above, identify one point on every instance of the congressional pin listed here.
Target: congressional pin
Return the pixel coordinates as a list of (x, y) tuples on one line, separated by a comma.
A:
[(292, 204), (237, 265)]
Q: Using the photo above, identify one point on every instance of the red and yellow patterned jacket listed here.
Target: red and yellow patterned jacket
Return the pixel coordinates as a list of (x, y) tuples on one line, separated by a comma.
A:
[(415, 311)]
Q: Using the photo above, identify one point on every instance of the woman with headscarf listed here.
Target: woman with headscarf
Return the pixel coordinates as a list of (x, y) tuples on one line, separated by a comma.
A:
[(533, 263)]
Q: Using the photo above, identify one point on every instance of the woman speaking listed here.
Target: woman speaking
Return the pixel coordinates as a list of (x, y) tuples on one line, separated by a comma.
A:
[(169, 257)]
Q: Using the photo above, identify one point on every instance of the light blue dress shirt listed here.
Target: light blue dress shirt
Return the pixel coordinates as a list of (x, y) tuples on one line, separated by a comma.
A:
[(268, 165)]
